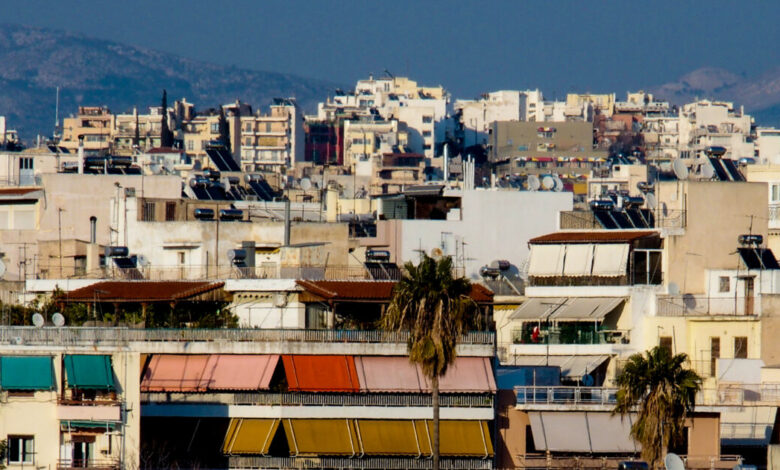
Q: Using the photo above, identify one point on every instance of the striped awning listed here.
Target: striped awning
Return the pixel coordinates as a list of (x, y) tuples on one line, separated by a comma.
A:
[(249, 436)]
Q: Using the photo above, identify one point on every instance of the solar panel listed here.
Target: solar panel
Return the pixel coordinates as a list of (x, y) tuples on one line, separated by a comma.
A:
[(383, 271), (222, 159), (605, 219), (719, 170), (262, 190), (622, 220), (201, 193), (648, 215), (217, 194), (758, 258), (731, 168), (636, 218), (124, 263)]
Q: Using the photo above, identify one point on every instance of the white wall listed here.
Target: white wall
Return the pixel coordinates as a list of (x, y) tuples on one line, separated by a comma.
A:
[(494, 225)]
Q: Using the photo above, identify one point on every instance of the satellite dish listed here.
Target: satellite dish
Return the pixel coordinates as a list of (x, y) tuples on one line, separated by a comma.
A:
[(142, 260), (680, 170), (437, 253), (587, 380), (37, 320), (306, 184), (558, 183), (2, 269), (548, 182), (58, 319), (533, 183), (155, 168), (673, 462), (674, 289), (652, 202), (280, 300), (706, 171)]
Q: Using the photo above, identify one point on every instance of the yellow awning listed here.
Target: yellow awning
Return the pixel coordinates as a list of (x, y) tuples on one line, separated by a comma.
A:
[(322, 437), (394, 437), (359, 437), (505, 306), (249, 436)]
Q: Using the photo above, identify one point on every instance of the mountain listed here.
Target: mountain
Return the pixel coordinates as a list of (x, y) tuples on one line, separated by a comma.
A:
[(93, 72), (760, 94)]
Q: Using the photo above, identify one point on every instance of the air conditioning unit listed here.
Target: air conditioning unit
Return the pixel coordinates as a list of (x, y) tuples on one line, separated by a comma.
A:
[(129, 192)]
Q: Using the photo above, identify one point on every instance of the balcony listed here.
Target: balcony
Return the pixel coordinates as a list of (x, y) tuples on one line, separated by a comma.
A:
[(87, 464), (318, 399), (541, 461), (774, 216), (30, 335), (203, 272), (700, 305)]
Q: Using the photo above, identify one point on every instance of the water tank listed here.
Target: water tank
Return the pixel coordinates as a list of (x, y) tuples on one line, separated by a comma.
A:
[(204, 213), (602, 205), (231, 214), (117, 251), (751, 239)]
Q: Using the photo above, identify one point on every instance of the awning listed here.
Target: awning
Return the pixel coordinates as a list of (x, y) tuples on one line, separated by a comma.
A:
[(325, 373), (66, 425), (358, 437), (610, 260), (578, 260), (89, 371), (322, 437), (249, 436), (239, 371), (538, 308), (546, 260), (592, 432), (396, 374), (26, 373), (586, 308), (572, 367), (175, 373)]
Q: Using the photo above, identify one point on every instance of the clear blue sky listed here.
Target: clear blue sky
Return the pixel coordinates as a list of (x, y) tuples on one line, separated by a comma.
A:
[(468, 46)]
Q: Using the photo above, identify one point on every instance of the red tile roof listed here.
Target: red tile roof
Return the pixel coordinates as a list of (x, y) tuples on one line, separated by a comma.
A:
[(140, 291), (373, 291), (609, 236)]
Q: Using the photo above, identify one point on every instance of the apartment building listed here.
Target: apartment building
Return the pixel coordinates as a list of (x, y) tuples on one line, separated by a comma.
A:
[(273, 140), (706, 124), (94, 125)]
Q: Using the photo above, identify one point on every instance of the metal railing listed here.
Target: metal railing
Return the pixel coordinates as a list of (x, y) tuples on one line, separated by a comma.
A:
[(724, 395), (226, 271), (80, 335), (81, 464), (699, 305), (544, 462), (392, 463), (320, 399)]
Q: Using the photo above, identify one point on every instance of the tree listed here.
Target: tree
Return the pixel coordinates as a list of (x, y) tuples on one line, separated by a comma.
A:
[(166, 136), (662, 390), (435, 309)]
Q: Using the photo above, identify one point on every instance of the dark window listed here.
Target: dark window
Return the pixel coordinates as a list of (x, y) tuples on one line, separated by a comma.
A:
[(666, 343), (147, 213), (170, 211), (740, 347), (25, 163), (714, 354), (724, 284), (20, 449)]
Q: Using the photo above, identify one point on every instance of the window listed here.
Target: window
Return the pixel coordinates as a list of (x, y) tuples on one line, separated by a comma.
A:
[(647, 266), (724, 284), (147, 212), (268, 127), (79, 265), (666, 343), (775, 192), (20, 449), (190, 145), (714, 354), (25, 163), (203, 144), (215, 128), (740, 347), (170, 211), (248, 127), (427, 147), (426, 133), (427, 119)]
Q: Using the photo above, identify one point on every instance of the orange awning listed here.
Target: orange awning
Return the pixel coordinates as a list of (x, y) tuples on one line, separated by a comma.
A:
[(239, 371), (321, 373), (175, 373)]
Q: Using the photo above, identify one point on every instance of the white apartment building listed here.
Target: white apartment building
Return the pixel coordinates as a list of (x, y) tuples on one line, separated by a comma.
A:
[(273, 140), (768, 145), (707, 123)]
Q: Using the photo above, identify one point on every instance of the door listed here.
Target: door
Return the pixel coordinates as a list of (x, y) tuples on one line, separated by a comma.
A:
[(749, 296), (82, 451)]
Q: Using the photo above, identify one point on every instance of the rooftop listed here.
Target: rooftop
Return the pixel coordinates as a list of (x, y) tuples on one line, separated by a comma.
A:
[(609, 236), (372, 291), (141, 291)]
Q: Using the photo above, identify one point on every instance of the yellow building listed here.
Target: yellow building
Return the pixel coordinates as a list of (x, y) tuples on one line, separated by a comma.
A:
[(603, 102), (95, 124)]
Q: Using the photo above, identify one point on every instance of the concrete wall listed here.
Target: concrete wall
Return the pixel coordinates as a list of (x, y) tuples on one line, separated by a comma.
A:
[(510, 431)]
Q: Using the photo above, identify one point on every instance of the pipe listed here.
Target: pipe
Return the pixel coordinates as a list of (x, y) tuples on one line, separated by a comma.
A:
[(81, 154), (287, 222)]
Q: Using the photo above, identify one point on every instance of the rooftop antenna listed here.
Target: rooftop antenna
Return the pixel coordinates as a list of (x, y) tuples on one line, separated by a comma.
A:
[(57, 114)]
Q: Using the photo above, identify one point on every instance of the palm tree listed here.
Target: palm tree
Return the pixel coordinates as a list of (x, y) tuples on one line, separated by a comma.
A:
[(435, 309), (662, 390)]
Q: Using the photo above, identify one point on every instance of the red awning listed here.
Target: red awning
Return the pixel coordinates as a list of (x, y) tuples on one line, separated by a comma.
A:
[(321, 373), (468, 375)]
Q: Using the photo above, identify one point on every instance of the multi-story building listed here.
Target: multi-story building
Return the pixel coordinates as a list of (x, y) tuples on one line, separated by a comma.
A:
[(706, 124), (768, 145), (603, 103), (273, 140), (94, 125), (139, 132)]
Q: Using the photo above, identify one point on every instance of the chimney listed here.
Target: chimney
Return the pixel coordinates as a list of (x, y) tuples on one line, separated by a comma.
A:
[(81, 154)]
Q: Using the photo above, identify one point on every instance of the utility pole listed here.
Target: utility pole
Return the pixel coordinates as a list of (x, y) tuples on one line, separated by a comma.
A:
[(59, 231)]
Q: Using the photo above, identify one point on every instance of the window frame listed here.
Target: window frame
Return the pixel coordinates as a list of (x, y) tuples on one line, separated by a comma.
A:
[(22, 452)]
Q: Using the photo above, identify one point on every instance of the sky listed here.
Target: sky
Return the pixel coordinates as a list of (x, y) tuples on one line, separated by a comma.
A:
[(470, 47)]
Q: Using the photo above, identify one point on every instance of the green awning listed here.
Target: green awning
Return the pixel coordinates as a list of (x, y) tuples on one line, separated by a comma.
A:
[(73, 424), (26, 373), (89, 371)]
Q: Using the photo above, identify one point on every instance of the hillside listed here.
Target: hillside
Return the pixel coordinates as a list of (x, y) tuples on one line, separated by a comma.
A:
[(34, 61)]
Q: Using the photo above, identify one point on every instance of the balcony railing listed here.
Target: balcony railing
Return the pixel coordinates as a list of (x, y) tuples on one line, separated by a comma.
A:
[(700, 305), (391, 463), (541, 461), (87, 464), (319, 399), (724, 395), (19, 335), (203, 272)]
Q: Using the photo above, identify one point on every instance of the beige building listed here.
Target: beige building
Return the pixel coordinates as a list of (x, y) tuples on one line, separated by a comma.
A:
[(274, 140), (95, 124), (604, 103)]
